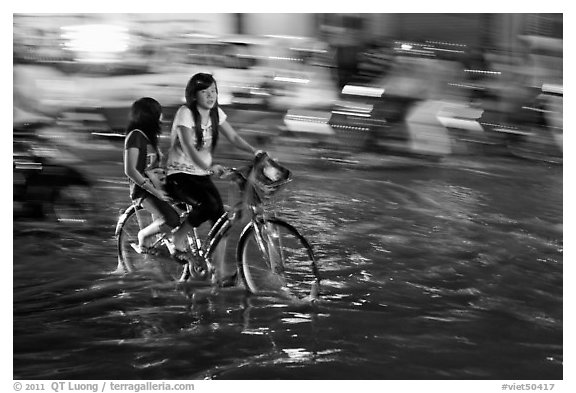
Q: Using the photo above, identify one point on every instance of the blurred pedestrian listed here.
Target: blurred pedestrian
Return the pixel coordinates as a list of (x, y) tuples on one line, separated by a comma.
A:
[(35, 99)]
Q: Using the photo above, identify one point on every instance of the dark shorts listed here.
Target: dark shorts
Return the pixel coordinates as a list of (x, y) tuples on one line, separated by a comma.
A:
[(198, 191)]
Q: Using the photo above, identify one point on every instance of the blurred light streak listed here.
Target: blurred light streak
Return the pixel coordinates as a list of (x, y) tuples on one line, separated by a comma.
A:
[(291, 80), (312, 119), (297, 353), (27, 165), (284, 58), (550, 88), (308, 121), (510, 131), (529, 108), (415, 51), (475, 87), (79, 220), (484, 72), (363, 91), (443, 50), (350, 127), (311, 50), (110, 134), (199, 35), (446, 43), (288, 37), (500, 126), (351, 113), (463, 124), (355, 107), (257, 91)]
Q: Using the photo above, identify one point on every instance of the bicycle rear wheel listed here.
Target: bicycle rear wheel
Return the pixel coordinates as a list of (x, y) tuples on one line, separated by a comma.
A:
[(129, 260), (279, 259)]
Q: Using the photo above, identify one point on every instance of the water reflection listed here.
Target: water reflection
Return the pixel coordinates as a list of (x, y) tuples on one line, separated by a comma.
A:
[(403, 277)]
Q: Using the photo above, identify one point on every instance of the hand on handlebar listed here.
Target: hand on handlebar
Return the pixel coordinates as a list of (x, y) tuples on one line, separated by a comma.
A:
[(218, 170), (223, 172)]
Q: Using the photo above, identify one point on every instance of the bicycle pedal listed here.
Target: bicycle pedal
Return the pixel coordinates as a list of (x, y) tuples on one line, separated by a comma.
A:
[(198, 271), (204, 269)]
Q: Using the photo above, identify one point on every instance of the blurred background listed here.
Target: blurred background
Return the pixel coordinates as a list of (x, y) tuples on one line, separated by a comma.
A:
[(427, 152), (340, 87)]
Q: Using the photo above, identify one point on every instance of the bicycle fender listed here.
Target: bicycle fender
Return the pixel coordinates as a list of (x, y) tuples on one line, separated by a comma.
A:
[(241, 241), (123, 217)]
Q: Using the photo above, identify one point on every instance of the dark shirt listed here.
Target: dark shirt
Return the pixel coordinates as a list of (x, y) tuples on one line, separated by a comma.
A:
[(148, 158)]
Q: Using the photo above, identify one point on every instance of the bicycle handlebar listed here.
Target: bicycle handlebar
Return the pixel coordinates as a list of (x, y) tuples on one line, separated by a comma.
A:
[(229, 173), (245, 178)]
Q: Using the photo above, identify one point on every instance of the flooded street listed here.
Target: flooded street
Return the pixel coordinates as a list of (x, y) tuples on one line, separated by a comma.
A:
[(451, 270)]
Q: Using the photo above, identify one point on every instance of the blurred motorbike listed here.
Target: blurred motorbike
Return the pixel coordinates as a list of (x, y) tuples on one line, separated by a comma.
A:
[(47, 183), (532, 129)]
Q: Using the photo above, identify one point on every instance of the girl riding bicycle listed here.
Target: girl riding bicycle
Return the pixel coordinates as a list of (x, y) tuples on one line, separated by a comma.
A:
[(195, 133), (141, 154)]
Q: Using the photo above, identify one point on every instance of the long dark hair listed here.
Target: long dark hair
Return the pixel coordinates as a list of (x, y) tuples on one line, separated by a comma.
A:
[(199, 82), (145, 115)]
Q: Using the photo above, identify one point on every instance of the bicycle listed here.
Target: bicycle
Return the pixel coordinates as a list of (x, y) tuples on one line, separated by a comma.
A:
[(271, 254)]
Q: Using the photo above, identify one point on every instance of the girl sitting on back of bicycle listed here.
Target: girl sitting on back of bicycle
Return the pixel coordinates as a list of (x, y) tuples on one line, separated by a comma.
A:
[(195, 132), (141, 154)]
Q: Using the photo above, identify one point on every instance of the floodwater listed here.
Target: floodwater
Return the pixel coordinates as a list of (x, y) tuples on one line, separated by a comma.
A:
[(443, 271)]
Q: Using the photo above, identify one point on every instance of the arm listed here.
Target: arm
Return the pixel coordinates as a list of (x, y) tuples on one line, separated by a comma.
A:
[(187, 143), (130, 160), (236, 139)]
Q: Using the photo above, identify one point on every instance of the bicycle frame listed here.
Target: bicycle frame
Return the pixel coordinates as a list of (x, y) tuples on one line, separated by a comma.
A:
[(226, 222)]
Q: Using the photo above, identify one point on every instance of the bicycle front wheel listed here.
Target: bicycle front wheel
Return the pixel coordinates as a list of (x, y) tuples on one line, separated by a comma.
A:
[(276, 257), (129, 260)]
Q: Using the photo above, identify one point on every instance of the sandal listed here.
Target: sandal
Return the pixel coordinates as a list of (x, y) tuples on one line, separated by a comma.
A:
[(142, 249)]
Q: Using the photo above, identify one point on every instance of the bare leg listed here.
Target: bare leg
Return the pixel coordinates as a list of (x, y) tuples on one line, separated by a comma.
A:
[(179, 237), (157, 225)]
